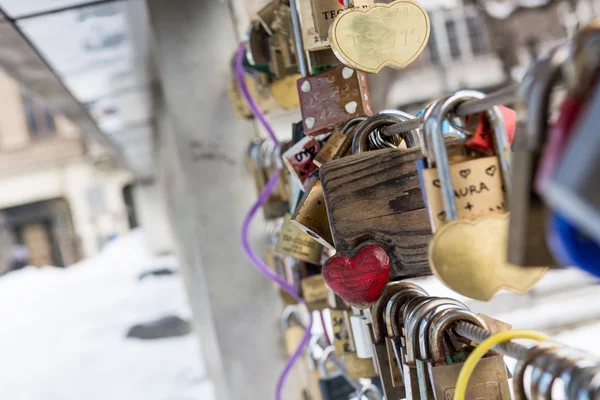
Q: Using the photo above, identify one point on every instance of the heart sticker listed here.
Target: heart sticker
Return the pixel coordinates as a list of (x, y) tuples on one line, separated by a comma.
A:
[(469, 256), (384, 34), (360, 278)]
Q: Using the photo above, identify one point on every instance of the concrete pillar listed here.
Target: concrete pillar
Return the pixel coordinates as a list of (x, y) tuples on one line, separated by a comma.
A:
[(203, 173)]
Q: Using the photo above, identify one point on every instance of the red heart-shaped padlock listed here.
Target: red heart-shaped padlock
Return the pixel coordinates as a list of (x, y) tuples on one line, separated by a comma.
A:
[(359, 279)]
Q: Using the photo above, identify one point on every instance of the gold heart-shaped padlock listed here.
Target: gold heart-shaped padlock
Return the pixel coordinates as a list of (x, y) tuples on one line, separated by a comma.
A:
[(384, 34), (469, 256)]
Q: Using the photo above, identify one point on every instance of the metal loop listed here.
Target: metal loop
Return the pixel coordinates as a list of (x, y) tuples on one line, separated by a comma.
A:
[(418, 314), (533, 98), (361, 134), (581, 65), (378, 309), (370, 388), (351, 122), (393, 315), (327, 354), (433, 339), (289, 312)]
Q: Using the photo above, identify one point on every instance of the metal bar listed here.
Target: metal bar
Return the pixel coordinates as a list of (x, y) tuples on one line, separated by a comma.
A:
[(300, 56), (502, 96)]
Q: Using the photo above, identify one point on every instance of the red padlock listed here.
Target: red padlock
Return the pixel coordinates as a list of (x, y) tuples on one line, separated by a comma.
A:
[(481, 140), (558, 136)]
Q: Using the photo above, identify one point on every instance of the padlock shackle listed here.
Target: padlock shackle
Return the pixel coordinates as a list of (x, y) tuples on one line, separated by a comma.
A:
[(425, 325), (352, 122), (581, 66), (378, 308), (441, 323), (417, 316), (408, 309), (533, 99), (393, 310), (327, 354), (433, 131), (371, 389), (291, 311), (411, 138), (360, 142)]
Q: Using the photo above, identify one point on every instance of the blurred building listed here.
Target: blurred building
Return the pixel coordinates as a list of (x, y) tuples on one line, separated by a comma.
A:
[(481, 45), (54, 200)]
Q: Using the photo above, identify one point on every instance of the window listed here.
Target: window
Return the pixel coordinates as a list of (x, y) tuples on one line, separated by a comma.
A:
[(477, 35), (434, 54), (453, 39), (40, 120)]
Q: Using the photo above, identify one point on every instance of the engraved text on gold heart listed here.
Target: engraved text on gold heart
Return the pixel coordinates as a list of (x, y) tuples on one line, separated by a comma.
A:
[(385, 34)]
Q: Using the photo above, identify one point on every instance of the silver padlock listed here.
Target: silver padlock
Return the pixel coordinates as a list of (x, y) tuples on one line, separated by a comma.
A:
[(394, 323)]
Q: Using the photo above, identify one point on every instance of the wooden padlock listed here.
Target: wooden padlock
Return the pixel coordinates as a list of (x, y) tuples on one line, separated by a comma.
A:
[(375, 206)]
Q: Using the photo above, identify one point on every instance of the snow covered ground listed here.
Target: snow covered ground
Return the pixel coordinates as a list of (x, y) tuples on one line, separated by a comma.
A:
[(62, 334)]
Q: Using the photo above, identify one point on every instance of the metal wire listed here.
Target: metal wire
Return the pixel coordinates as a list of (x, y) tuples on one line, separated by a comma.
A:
[(477, 334), (502, 96)]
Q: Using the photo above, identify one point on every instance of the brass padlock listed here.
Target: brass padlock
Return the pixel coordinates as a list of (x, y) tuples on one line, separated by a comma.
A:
[(466, 202), (261, 161), (314, 290), (311, 216), (489, 379), (293, 332), (295, 243), (339, 142)]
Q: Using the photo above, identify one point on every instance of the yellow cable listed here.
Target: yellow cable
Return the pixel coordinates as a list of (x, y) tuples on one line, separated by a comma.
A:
[(483, 348)]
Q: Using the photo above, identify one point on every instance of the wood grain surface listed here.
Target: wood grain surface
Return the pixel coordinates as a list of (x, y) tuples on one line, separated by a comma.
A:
[(376, 196)]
